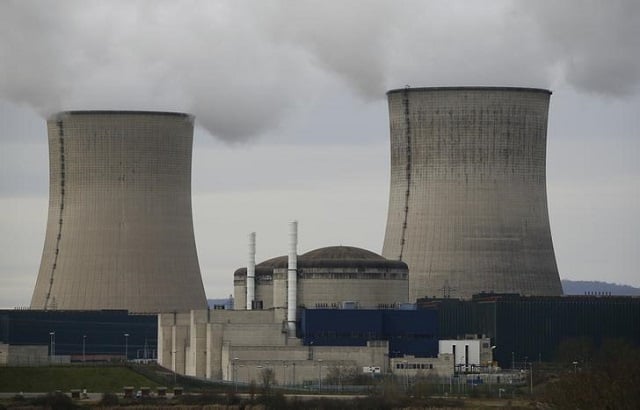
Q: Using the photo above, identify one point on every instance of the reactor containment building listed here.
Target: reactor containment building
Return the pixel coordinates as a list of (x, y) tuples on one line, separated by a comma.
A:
[(468, 200), (120, 229)]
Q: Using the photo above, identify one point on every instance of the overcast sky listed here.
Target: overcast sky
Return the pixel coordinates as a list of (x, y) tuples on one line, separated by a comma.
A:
[(289, 98)]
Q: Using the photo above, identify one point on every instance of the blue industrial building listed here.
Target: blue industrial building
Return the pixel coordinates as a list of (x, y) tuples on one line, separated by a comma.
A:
[(103, 334), (521, 328), (409, 332), (525, 328)]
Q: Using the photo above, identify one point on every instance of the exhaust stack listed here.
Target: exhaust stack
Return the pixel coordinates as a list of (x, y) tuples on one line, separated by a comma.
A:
[(292, 279), (251, 271)]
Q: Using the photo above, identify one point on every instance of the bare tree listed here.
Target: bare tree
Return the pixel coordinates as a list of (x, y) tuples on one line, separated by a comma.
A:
[(610, 381), (339, 375), (268, 378)]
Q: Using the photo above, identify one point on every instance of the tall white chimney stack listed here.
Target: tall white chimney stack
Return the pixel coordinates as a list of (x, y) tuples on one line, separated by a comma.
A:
[(251, 271), (292, 279)]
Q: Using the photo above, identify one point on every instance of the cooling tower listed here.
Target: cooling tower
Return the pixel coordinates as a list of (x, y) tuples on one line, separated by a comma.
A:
[(120, 229), (468, 202)]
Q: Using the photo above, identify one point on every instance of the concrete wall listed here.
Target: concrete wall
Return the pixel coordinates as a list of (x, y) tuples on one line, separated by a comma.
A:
[(264, 288), (295, 365), (368, 293), (174, 339), (409, 366), (197, 360), (36, 355), (279, 298), (192, 343), (120, 231), (239, 293), (223, 344), (329, 287), (468, 202)]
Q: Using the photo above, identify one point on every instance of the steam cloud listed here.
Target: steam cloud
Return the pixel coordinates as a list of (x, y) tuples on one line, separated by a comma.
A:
[(240, 67)]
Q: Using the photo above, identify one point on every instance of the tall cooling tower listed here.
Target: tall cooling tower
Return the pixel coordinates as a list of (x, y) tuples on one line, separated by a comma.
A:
[(468, 202), (120, 230)]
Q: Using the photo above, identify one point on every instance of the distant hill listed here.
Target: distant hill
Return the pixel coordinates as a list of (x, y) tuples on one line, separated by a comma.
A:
[(580, 287)]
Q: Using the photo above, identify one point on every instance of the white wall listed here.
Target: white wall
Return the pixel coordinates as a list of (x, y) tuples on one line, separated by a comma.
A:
[(441, 366), (462, 356)]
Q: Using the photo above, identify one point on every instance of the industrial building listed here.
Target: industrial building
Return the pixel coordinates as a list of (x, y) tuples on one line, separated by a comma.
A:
[(331, 277), (440, 337), (533, 328), (120, 230), (302, 314), (236, 345), (409, 332), (468, 201), (239, 344), (467, 214)]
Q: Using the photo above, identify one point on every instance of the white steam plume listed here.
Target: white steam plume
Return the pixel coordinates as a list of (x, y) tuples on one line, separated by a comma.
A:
[(242, 66)]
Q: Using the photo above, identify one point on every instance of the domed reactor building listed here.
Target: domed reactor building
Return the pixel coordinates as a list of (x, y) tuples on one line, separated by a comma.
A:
[(120, 230), (468, 201), (332, 277)]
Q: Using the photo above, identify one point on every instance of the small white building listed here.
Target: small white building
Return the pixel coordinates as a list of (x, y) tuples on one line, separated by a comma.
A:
[(410, 366), (468, 353)]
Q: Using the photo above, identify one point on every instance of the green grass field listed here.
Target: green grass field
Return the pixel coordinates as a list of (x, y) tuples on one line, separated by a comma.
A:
[(65, 378)]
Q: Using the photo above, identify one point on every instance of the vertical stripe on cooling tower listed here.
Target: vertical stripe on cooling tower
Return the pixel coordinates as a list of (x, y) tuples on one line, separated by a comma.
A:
[(57, 251), (407, 131)]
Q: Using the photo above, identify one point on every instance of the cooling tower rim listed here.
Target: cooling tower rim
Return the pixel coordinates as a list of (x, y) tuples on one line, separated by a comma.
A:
[(470, 88), (63, 114)]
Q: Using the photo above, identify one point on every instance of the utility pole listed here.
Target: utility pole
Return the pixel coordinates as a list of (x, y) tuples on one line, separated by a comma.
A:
[(84, 342), (52, 344), (126, 347)]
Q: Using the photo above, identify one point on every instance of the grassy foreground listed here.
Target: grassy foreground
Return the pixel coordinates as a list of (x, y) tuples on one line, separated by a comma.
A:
[(65, 378)]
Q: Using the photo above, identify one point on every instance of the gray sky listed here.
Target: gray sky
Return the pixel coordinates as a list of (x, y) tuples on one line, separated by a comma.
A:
[(292, 118)]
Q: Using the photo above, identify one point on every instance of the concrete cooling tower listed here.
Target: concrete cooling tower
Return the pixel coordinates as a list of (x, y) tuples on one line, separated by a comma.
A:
[(120, 229), (468, 202)]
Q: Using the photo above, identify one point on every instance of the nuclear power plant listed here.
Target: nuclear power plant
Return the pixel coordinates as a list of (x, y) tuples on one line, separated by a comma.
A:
[(467, 257), (333, 306), (120, 230), (468, 200)]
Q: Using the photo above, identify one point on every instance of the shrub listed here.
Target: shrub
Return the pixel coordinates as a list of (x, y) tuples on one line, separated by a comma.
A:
[(109, 399), (55, 401)]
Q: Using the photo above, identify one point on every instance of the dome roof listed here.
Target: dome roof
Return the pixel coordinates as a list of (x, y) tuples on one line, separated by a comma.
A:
[(330, 257), (270, 263), (340, 252), (264, 267)]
